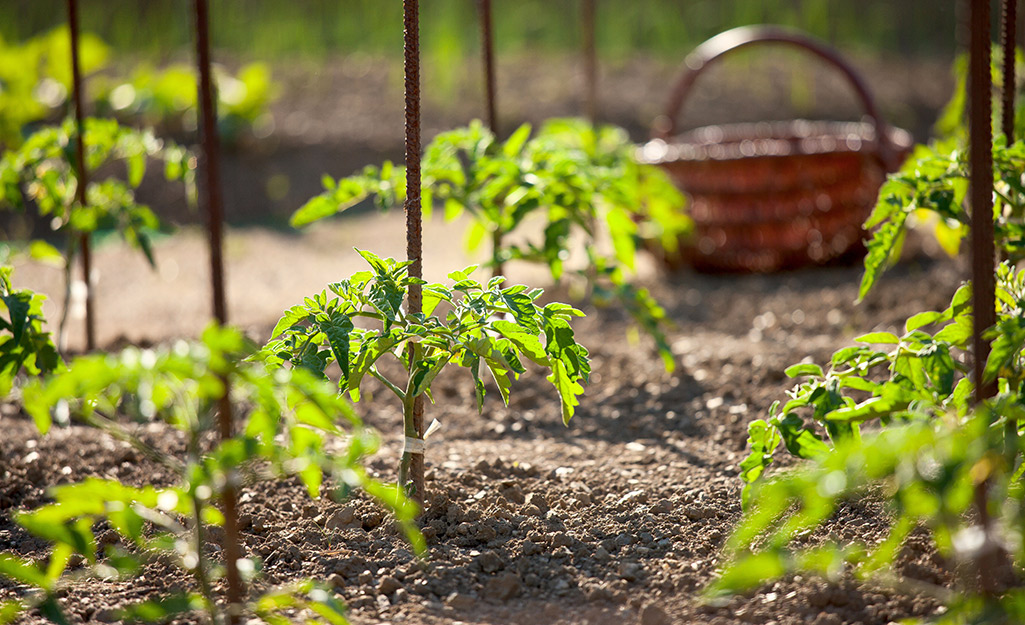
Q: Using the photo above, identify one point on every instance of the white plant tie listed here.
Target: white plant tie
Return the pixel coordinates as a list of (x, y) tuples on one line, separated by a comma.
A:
[(419, 445)]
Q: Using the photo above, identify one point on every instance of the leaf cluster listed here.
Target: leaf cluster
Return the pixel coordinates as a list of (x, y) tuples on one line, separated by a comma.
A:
[(42, 173), (471, 325), (576, 181), (287, 422), (167, 98), (36, 78), (37, 84), (935, 446), (24, 345), (934, 183)]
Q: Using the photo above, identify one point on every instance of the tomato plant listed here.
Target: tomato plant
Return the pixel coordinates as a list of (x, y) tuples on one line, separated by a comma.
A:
[(41, 174), (485, 326), (574, 180), (289, 417), (24, 345)]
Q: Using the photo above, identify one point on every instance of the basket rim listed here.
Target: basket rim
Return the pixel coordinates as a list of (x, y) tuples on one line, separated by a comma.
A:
[(779, 139)]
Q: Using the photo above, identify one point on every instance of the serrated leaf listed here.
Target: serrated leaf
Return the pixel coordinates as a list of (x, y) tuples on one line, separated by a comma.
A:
[(885, 338), (803, 369)]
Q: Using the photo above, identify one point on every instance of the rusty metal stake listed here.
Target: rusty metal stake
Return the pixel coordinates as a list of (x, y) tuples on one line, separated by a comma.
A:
[(214, 201), (981, 191), (589, 27), (414, 220), (83, 175), (488, 56), (1008, 39), (992, 560)]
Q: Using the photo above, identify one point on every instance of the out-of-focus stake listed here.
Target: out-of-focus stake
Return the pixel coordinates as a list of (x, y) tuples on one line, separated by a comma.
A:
[(414, 219), (991, 559), (214, 204), (487, 46), (1008, 39), (83, 174), (981, 190), (589, 26), (211, 170)]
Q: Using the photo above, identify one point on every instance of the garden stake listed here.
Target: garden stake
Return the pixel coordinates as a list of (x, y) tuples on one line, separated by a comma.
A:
[(412, 464), (83, 176), (1010, 22), (991, 558), (212, 180), (589, 27), (487, 56)]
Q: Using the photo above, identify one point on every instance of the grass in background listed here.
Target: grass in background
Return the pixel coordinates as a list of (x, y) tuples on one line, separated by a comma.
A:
[(264, 29)]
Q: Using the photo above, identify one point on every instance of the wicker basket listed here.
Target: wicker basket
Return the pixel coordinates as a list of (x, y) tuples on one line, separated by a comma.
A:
[(780, 195)]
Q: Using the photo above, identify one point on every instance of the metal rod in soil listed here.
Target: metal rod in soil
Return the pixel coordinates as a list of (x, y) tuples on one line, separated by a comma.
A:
[(589, 25), (83, 173), (1008, 40), (487, 42), (414, 219), (214, 205)]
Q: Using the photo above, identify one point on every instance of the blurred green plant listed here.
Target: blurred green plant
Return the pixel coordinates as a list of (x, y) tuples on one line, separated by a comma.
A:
[(941, 461), (166, 99), (35, 83), (42, 175), (24, 345), (289, 417), (485, 326), (575, 181), (35, 78)]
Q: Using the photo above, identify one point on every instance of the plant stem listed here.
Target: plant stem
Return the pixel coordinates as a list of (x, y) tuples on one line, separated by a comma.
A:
[(200, 572), (69, 261), (409, 431)]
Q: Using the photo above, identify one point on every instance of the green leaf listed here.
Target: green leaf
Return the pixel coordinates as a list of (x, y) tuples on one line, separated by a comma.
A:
[(887, 338), (23, 572), (799, 440), (525, 341), (568, 388), (337, 328), (804, 369)]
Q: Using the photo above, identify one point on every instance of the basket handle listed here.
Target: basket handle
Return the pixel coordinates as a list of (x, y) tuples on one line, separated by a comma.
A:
[(710, 51)]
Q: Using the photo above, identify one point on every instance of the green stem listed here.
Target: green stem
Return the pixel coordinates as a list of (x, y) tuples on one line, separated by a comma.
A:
[(197, 508), (409, 431), (388, 383)]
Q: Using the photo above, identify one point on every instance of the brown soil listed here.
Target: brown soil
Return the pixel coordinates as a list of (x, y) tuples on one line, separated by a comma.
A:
[(616, 519)]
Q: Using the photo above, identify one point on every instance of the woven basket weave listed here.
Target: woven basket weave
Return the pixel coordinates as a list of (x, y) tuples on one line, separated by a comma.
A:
[(780, 195)]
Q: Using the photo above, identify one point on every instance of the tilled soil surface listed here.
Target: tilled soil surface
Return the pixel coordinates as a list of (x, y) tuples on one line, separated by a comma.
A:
[(616, 519)]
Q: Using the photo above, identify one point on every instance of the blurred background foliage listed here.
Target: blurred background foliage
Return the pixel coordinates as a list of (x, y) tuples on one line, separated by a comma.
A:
[(260, 29)]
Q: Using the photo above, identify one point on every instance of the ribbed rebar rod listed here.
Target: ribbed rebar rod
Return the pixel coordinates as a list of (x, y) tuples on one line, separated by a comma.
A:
[(83, 174), (1008, 41), (211, 177), (589, 25), (991, 559), (981, 190), (487, 46), (414, 219), (211, 170)]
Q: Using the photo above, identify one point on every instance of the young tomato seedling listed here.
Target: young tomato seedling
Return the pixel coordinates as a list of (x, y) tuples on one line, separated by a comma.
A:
[(574, 181), (484, 326)]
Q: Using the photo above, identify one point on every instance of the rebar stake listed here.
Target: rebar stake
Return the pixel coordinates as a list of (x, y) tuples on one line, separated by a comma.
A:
[(83, 175), (1008, 39), (414, 220), (214, 204), (487, 45), (589, 25)]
